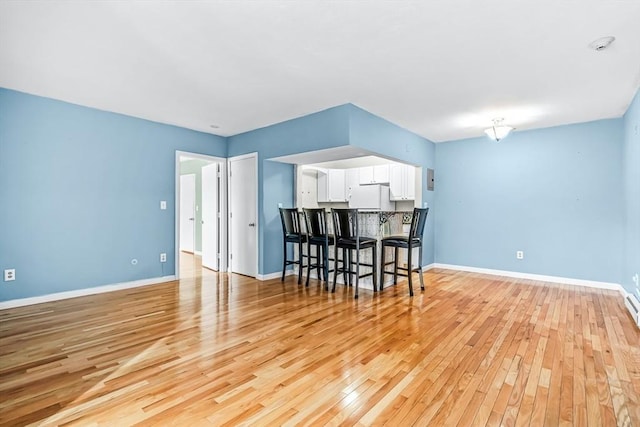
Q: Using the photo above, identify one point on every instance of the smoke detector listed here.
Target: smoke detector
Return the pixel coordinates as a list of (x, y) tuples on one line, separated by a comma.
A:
[(601, 43)]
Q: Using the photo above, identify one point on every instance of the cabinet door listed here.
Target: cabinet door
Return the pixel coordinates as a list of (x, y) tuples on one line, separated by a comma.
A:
[(396, 182), (337, 185), (323, 185), (410, 183), (366, 175), (402, 182), (381, 174), (374, 174)]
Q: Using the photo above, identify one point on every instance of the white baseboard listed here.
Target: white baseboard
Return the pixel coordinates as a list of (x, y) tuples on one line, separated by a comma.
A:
[(429, 267), (277, 274), (489, 271), (539, 277), (83, 292)]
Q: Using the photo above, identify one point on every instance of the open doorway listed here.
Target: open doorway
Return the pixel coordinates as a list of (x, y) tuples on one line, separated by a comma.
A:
[(201, 206)]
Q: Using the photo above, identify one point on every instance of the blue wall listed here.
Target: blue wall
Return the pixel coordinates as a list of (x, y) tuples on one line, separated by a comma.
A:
[(554, 193), (325, 129), (631, 178), (80, 191), (335, 127), (380, 136)]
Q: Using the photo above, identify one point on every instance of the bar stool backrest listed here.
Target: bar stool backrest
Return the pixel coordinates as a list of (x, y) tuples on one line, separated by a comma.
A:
[(418, 220), (290, 221), (345, 223), (316, 222)]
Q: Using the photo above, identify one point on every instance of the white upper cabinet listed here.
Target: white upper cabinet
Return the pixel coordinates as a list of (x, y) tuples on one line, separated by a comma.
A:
[(374, 175), (331, 185), (402, 182)]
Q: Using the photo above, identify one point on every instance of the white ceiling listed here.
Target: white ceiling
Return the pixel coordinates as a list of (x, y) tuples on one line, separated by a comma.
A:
[(442, 69)]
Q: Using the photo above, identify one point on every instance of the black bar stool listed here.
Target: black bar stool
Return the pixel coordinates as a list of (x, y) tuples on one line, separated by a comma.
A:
[(347, 237), (318, 236), (292, 233), (413, 240)]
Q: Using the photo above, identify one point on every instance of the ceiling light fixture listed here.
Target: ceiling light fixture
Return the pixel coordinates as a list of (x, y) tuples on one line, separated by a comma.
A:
[(601, 43), (498, 131)]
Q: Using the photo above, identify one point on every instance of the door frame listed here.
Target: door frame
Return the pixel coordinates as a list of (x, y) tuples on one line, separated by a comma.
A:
[(224, 253), (192, 179), (210, 224), (253, 156)]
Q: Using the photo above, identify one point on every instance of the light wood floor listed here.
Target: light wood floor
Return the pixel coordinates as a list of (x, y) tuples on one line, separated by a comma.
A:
[(219, 350)]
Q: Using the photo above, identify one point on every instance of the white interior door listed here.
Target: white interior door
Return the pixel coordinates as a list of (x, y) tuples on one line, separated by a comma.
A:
[(187, 212), (243, 223), (210, 220)]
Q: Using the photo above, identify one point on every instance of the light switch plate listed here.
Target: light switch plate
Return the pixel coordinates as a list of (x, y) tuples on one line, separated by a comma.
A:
[(163, 204)]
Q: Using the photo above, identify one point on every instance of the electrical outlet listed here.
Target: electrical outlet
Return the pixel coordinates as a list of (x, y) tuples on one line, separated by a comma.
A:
[(519, 255), (9, 274), (163, 257)]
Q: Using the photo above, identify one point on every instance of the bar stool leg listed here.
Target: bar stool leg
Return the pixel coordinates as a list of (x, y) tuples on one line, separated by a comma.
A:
[(395, 266), (326, 266), (355, 296), (336, 268), (284, 261), (300, 263), (318, 259), (410, 270), (382, 267), (374, 276), (344, 271), (308, 263), (420, 268), (325, 262)]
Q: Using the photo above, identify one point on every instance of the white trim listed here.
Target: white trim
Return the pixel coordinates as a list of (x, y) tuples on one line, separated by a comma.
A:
[(197, 253), (83, 292), (492, 272), (276, 275), (429, 267), (244, 156), (223, 206), (530, 276)]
